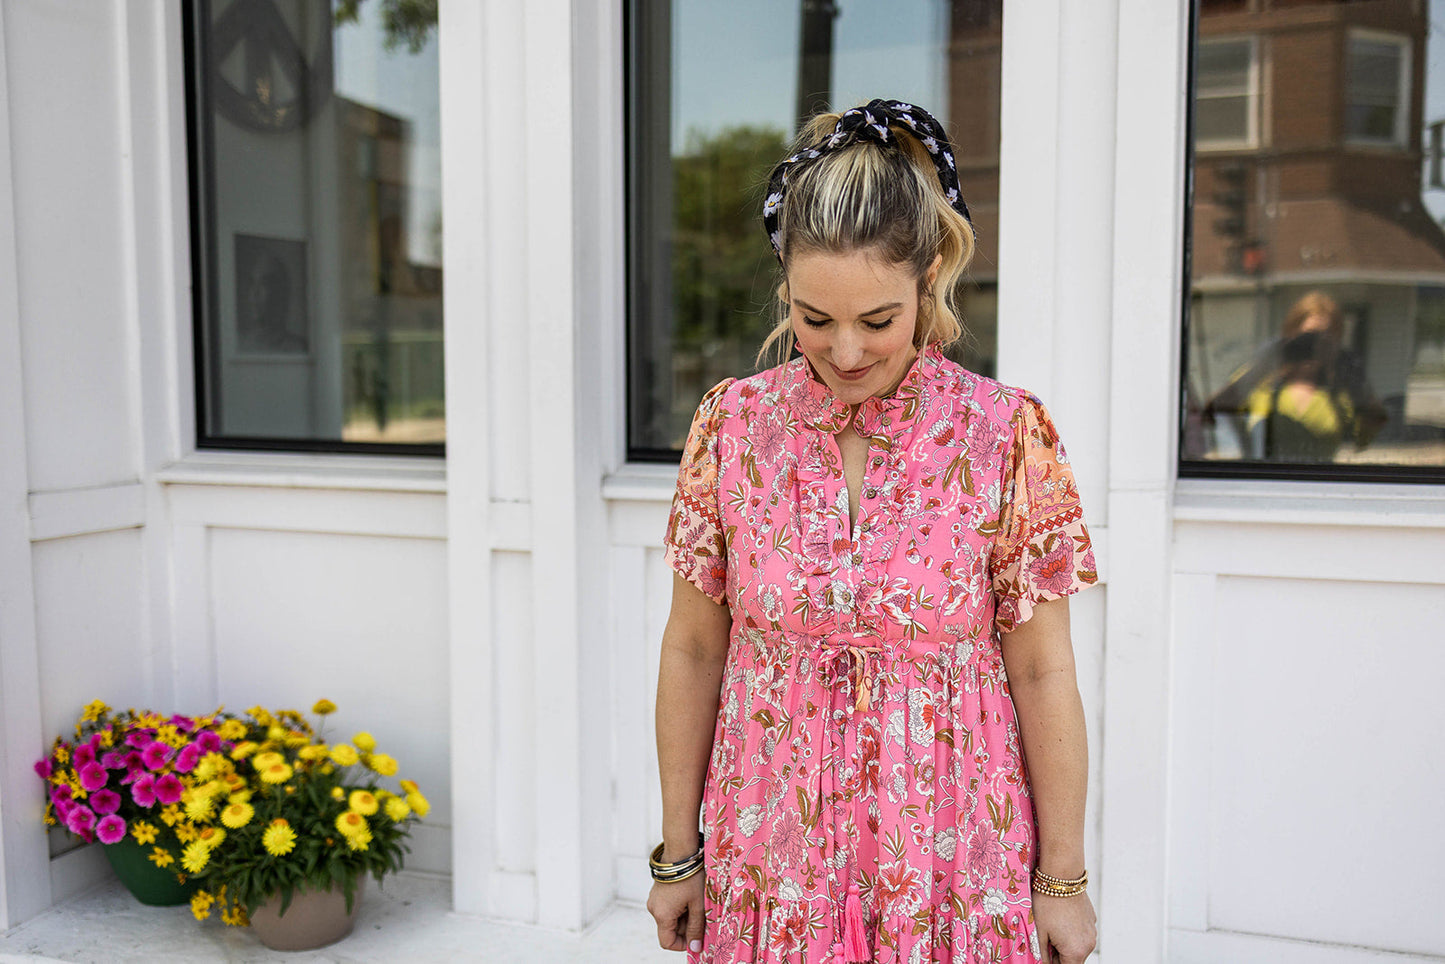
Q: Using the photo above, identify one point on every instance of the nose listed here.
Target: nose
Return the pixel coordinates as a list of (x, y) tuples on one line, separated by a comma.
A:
[(847, 351)]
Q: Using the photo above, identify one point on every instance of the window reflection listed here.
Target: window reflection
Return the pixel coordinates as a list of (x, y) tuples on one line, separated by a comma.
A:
[(319, 226), (1316, 326), (705, 132)]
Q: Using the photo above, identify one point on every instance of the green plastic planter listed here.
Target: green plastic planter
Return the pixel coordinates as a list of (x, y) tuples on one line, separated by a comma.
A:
[(156, 886)]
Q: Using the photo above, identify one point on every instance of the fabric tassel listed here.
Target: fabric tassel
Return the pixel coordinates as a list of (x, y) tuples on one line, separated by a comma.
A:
[(855, 945)]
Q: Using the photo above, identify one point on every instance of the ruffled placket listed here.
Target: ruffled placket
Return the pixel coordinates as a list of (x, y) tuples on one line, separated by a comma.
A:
[(848, 620)]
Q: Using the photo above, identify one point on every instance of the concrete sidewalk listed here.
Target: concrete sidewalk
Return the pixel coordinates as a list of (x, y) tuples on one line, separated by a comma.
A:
[(409, 921)]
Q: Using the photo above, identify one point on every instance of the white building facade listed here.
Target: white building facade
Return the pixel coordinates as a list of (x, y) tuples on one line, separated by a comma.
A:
[(1258, 668)]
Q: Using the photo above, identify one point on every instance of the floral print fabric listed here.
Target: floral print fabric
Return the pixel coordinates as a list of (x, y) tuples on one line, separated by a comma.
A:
[(866, 758)]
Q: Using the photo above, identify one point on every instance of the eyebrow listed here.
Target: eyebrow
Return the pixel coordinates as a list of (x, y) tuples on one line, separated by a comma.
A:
[(876, 311)]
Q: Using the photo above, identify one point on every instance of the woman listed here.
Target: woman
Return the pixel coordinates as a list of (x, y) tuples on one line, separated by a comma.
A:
[(868, 633)]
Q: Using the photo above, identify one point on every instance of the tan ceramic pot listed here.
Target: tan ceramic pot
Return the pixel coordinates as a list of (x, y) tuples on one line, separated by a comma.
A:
[(315, 918)]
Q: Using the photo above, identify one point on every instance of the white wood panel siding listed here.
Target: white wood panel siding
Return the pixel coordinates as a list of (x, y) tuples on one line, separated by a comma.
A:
[(24, 877)]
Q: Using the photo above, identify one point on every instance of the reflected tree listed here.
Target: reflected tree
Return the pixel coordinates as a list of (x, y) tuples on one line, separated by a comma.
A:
[(405, 21)]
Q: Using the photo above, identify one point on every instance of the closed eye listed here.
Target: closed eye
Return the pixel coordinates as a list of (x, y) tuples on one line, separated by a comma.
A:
[(870, 325)]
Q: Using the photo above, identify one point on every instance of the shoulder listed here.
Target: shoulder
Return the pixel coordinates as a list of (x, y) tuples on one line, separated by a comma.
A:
[(986, 401)]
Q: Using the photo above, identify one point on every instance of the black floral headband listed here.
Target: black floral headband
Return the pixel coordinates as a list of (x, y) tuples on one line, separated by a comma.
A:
[(870, 123)]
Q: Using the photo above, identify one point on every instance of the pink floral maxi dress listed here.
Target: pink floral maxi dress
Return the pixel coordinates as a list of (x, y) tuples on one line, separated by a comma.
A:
[(867, 785)]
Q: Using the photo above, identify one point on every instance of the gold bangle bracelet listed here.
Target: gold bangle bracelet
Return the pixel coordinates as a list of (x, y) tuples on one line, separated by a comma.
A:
[(1049, 890), (669, 873), (1081, 881)]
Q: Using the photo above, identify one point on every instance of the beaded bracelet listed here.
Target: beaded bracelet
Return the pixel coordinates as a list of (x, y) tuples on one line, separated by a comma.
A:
[(671, 873), (1058, 887)]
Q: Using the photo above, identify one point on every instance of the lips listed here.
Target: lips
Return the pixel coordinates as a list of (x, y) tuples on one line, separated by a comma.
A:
[(851, 376)]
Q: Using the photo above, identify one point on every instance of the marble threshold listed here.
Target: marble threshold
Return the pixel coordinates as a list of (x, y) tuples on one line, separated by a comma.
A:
[(407, 920)]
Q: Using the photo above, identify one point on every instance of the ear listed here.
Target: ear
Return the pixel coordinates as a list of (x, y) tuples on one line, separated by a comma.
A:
[(932, 273)]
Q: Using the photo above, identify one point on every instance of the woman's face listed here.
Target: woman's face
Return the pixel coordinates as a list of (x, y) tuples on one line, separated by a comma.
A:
[(853, 317)]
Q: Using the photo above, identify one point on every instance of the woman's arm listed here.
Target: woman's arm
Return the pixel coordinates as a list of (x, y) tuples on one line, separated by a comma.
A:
[(689, 676), (1039, 659)]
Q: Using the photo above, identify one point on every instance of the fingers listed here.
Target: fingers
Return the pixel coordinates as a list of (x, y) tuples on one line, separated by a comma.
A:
[(695, 925), (669, 924)]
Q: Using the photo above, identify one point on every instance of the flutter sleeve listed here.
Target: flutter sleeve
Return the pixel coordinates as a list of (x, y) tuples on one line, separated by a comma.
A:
[(1042, 549), (696, 544)]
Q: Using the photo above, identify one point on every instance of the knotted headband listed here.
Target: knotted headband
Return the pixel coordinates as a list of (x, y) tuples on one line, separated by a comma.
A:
[(871, 122)]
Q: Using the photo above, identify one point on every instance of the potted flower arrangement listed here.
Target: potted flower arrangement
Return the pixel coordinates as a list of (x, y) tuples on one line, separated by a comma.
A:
[(291, 825), (124, 780)]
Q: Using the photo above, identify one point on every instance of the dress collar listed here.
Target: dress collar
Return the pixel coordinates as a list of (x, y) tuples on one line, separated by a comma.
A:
[(879, 417)]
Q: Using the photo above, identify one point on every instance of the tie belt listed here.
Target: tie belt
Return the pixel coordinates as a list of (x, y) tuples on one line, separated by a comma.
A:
[(860, 669)]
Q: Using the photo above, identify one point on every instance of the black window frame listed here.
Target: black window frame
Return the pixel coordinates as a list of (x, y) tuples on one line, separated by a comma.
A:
[(1248, 469), (200, 144)]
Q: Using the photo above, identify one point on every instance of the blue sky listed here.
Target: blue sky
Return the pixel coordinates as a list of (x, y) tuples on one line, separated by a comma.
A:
[(736, 62)]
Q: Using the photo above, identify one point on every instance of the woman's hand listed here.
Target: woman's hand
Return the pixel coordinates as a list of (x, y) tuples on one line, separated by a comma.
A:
[(1066, 928), (677, 908)]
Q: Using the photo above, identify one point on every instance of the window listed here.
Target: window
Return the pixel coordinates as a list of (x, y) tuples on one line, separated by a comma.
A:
[(705, 130), (1226, 93), (316, 224), (1315, 324), (1377, 88)]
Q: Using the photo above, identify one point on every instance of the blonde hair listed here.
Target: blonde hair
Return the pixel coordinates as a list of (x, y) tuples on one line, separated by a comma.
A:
[(870, 196)]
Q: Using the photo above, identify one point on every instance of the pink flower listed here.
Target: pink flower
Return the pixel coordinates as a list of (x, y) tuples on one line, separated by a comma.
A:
[(105, 801), (113, 760), (156, 755), (93, 776), (81, 821), (43, 768), (187, 759), (789, 839), (144, 791), (63, 807), (1054, 571), (139, 738), (84, 755), (168, 789), (208, 742), (183, 723), (62, 792), (111, 829)]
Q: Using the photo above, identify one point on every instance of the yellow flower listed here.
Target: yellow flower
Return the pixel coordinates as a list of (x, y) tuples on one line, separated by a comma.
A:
[(418, 803), (240, 796), (107, 738), (397, 809), (171, 735), (351, 822), (213, 765), (93, 710), (143, 832), (359, 841), (261, 715), (264, 760), (61, 753), (211, 837), (195, 857), (201, 904), (382, 764), (185, 832), (323, 707), (344, 755), (199, 807), (242, 750), (337, 793), (238, 814), (408, 786), (170, 814), (160, 856), (276, 732), (277, 773), (279, 839), (297, 739), (316, 751), (363, 802), (231, 730), (235, 916), (364, 741)]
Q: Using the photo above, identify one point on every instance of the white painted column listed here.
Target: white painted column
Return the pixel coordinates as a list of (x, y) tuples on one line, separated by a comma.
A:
[(526, 445), (25, 881), (1147, 280)]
